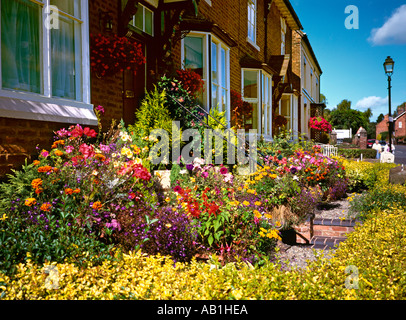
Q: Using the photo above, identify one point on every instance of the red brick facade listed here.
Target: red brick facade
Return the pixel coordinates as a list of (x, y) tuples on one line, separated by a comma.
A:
[(399, 132)]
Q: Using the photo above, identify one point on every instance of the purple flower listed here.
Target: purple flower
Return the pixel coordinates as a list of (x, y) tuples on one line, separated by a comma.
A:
[(100, 109), (293, 170), (189, 167)]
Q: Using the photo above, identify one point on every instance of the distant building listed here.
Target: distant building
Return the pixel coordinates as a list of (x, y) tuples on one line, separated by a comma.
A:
[(399, 131)]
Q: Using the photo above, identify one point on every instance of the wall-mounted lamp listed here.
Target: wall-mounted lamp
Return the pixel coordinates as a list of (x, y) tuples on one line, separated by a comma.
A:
[(106, 21)]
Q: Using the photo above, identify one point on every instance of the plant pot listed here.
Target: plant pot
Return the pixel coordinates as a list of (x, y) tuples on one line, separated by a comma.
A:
[(288, 236)]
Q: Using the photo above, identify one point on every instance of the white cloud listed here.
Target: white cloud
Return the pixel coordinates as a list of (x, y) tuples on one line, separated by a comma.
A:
[(372, 102), (393, 30)]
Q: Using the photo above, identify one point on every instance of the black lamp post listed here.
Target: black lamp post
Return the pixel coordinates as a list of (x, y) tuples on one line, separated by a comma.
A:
[(388, 65)]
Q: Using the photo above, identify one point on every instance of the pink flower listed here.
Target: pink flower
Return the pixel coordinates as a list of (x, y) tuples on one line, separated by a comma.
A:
[(69, 149), (223, 170), (100, 109), (87, 151)]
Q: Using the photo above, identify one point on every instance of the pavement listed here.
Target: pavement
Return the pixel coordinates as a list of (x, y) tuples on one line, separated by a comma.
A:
[(400, 154)]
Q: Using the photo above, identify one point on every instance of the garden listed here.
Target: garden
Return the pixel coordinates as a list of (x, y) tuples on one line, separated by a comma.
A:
[(89, 219)]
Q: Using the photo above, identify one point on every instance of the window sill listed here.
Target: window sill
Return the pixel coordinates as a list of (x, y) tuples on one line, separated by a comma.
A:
[(36, 107), (252, 43)]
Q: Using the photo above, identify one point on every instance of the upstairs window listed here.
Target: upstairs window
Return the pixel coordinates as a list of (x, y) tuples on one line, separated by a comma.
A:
[(144, 20), (283, 36), (252, 20)]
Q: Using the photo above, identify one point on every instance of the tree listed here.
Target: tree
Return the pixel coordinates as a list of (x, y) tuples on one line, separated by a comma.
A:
[(343, 117), (380, 118)]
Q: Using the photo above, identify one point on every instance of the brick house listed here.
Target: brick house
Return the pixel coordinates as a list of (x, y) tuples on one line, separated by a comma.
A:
[(399, 124), (46, 82), (307, 68)]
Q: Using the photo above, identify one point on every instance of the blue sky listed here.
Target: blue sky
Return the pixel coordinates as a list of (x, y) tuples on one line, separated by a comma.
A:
[(352, 59)]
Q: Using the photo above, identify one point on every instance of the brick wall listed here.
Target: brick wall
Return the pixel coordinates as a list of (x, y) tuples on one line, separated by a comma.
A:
[(382, 126)]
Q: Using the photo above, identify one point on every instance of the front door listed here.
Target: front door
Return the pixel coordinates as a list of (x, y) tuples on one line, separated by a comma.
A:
[(133, 92)]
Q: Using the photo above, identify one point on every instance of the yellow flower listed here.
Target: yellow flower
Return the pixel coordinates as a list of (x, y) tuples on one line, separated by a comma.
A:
[(257, 214), (273, 176), (4, 217), (168, 225), (268, 216), (246, 203), (167, 199), (192, 179), (257, 203)]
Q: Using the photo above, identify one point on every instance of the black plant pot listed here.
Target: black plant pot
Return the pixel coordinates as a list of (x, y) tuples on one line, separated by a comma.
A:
[(288, 236)]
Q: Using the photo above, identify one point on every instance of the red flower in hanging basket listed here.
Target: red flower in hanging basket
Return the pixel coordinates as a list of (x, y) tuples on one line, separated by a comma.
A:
[(112, 54)]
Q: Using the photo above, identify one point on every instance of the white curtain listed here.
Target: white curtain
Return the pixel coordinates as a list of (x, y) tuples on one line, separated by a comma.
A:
[(20, 45), (63, 59)]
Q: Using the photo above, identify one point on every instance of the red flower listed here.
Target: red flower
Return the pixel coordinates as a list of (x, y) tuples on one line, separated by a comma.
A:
[(90, 132)]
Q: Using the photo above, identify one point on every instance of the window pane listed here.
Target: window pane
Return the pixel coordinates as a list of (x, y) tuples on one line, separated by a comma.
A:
[(214, 73), (223, 67), (250, 84), (194, 54), (224, 99), (63, 59), (148, 21), (20, 46), (68, 6), (214, 96), (139, 18)]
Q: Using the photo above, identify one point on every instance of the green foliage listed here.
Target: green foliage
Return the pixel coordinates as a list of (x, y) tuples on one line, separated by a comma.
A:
[(284, 144), (344, 117), (356, 153), (153, 114)]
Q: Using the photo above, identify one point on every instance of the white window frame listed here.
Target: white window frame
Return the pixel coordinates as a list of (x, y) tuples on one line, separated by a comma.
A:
[(261, 101), (208, 38), (43, 106), (400, 125), (252, 23), (283, 36), (144, 8)]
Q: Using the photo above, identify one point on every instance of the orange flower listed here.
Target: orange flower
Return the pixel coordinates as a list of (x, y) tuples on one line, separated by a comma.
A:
[(76, 190), (45, 169), (38, 190), (58, 153), (36, 162), (46, 207), (68, 191), (99, 156), (36, 183), (30, 201), (56, 143), (97, 205)]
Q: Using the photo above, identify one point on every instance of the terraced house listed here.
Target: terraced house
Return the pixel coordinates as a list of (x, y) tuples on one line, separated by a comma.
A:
[(237, 46)]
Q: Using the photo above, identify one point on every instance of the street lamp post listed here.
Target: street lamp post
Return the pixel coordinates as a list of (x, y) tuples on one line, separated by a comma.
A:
[(388, 65)]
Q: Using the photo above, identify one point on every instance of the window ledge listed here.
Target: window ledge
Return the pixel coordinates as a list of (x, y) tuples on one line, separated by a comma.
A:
[(47, 109), (252, 43)]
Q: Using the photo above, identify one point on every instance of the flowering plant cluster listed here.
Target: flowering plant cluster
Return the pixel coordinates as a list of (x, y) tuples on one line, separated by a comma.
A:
[(191, 81), (227, 220), (183, 88), (110, 55), (294, 185), (320, 124)]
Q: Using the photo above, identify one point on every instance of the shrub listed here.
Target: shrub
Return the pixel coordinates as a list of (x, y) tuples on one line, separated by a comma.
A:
[(356, 153)]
